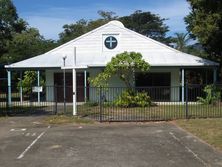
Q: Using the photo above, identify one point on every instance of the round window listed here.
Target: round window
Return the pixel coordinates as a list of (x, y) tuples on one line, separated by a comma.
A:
[(110, 42)]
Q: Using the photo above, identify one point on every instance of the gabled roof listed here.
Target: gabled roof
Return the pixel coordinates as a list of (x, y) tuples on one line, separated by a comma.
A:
[(91, 52)]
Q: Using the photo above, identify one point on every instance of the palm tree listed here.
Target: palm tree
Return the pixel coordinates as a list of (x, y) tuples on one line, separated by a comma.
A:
[(181, 41)]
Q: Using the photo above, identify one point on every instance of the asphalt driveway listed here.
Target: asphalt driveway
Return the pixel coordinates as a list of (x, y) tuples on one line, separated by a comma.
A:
[(25, 141)]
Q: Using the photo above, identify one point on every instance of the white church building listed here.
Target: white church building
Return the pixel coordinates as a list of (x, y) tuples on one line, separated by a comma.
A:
[(87, 55)]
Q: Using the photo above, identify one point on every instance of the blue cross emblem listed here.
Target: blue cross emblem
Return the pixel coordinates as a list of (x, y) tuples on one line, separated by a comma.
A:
[(111, 42)]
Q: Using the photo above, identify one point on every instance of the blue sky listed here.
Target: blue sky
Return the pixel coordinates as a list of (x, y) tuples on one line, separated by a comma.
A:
[(50, 15)]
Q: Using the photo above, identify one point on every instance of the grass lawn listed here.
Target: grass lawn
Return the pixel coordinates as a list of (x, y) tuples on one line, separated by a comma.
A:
[(159, 112), (64, 119), (22, 110), (209, 130), (3, 118)]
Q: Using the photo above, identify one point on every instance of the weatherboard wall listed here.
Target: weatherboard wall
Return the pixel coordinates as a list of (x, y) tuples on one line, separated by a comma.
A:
[(116, 83)]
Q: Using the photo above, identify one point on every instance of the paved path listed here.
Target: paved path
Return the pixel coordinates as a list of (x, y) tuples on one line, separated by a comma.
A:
[(25, 141)]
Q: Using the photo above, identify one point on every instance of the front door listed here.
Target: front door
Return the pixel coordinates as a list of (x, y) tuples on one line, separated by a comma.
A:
[(58, 82), (80, 86)]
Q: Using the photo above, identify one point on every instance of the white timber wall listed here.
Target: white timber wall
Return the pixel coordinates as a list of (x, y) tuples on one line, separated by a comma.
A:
[(108, 94), (116, 84)]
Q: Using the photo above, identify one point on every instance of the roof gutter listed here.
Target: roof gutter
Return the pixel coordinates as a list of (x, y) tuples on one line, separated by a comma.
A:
[(75, 67)]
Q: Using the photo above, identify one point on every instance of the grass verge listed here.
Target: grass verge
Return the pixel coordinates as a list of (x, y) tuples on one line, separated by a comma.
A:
[(64, 119), (209, 130), (3, 118)]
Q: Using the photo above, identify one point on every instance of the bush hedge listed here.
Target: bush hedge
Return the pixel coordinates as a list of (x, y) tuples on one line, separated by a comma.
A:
[(131, 98)]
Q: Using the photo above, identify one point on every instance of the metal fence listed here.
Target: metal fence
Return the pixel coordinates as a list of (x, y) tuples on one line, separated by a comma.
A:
[(115, 103), (166, 103), (25, 101)]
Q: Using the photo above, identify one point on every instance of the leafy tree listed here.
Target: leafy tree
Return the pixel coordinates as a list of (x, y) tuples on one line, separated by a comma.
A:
[(205, 23), (83, 26), (107, 15), (10, 23), (73, 31), (196, 49), (124, 65), (29, 80), (181, 41), (145, 23), (17, 40), (148, 24), (26, 44)]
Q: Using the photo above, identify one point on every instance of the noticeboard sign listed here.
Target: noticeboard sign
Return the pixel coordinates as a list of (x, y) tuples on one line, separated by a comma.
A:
[(37, 89)]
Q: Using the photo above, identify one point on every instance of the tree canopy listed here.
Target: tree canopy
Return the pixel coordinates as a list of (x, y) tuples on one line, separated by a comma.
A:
[(18, 41), (10, 23), (29, 80), (145, 23), (83, 26), (181, 41), (205, 23), (124, 66), (26, 44), (148, 24)]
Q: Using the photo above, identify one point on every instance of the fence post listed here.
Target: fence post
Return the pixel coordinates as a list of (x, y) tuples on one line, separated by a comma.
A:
[(100, 104), (7, 103), (31, 102), (55, 98), (187, 100)]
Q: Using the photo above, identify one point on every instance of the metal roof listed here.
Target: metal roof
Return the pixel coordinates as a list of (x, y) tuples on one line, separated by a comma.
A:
[(91, 51)]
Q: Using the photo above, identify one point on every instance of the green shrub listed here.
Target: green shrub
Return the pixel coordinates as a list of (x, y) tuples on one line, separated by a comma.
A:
[(29, 80), (142, 99), (212, 95), (130, 98)]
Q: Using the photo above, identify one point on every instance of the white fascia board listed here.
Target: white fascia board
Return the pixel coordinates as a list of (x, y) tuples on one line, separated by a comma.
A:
[(76, 67), (97, 65), (183, 65)]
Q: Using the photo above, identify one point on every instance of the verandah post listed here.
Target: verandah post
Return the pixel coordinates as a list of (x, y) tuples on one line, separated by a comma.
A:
[(182, 79), (85, 85), (38, 84), (9, 89), (74, 83), (74, 91), (215, 76)]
